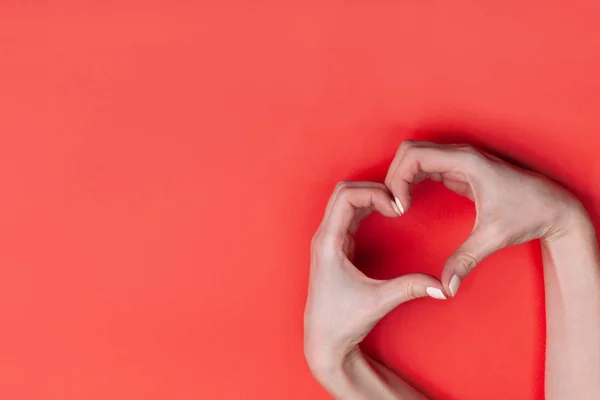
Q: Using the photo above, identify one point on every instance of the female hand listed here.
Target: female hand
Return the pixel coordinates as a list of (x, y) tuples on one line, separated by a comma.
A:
[(513, 205), (343, 304)]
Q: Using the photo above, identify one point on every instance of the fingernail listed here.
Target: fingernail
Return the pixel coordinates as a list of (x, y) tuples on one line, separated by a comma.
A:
[(399, 205), (395, 207), (435, 293), (454, 284)]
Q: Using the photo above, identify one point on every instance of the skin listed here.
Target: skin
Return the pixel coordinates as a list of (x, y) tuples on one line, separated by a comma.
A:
[(513, 206)]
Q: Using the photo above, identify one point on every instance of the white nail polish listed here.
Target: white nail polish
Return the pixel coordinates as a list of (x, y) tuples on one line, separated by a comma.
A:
[(399, 205), (435, 293), (395, 207), (454, 284)]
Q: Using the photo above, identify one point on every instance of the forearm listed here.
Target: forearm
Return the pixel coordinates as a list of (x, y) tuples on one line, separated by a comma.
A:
[(360, 377), (572, 281)]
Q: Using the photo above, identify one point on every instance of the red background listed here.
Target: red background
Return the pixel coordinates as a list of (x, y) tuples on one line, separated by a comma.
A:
[(163, 167)]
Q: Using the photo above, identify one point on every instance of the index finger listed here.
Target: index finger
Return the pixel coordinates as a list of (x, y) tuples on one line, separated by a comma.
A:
[(346, 184), (460, 161), (349, 200)]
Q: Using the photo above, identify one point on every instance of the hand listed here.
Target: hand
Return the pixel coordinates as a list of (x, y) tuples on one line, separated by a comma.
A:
[(343, 304), (513, 205)]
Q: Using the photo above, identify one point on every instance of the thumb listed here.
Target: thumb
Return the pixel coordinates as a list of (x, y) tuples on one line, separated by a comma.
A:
[(478, 246), (394, 292)]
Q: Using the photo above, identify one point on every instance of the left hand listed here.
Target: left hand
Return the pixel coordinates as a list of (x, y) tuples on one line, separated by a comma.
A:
[(513, 206), (343, 304)]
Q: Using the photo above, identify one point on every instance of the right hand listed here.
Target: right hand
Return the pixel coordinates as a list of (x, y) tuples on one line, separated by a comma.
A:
[(513, 205)]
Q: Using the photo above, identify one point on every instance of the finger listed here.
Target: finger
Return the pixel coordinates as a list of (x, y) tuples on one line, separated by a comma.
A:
[(346, 184), (396, 291), (452, 162), (479, 245), (404, 146), (398, 157), (413, 143), (343, 211)]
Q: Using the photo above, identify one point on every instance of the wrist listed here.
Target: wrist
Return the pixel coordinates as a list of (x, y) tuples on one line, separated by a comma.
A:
[(571, 218), (325, 365), (334, 372)]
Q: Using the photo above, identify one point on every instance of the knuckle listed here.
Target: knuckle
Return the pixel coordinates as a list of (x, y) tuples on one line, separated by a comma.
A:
[(341, 185), (314, 241), (466, 261), (323, 248), (316, 244), (411, 152), (410, 147), (410, 290), (344, 192), (405, 145), (472, 157), (469, 150)]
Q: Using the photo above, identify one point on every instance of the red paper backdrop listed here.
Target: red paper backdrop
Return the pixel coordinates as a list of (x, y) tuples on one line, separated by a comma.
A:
[(163, 167)]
